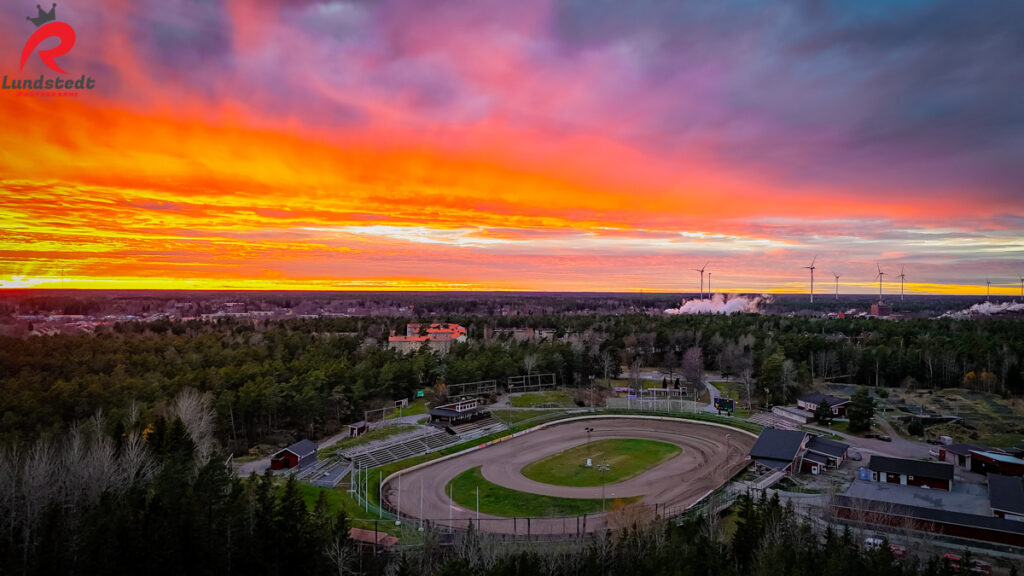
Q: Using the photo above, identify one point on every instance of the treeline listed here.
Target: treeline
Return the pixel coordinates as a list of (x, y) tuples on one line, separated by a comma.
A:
[(310, 376), (152, 500)]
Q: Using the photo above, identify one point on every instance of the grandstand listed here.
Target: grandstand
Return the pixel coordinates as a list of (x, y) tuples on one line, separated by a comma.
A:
[(404, 448), (460, 429), (772, 420)]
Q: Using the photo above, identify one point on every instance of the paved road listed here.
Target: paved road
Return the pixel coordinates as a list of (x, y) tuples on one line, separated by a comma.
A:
[(899, 447), (712, 394), (702, 466)]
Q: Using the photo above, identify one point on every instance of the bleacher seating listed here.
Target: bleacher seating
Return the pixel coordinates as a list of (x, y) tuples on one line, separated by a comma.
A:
[(460, 429), (385, 454), (773, 420)]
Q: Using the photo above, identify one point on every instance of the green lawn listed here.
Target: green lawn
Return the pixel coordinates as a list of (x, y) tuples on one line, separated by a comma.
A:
[(644, 382), (378, 434), (500, 501), (626, 457), (513, 417), (414, 408), (530, 399)]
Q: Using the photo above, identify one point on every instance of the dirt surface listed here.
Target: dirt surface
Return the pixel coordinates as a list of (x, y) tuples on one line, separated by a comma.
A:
[(702, 466)]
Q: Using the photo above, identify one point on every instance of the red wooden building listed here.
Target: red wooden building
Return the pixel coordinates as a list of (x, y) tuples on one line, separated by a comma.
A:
[(299, 454), (905, 472)]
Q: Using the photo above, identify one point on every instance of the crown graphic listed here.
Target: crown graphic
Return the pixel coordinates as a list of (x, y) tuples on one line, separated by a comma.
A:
[(43, 17)]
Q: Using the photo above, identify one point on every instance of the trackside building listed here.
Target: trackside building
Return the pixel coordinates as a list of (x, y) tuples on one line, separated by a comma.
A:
[(300, 454), (906, 472)]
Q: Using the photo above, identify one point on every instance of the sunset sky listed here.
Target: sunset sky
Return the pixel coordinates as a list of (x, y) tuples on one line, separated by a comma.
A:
[(518, 145)]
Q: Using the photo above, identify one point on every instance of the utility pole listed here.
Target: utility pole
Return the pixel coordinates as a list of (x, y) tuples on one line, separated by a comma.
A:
[(604, 469), (398, 507)]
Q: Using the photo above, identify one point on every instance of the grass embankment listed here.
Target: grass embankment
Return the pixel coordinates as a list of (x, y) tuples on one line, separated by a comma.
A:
[(531, 399), (513, 417), (339, 499), (500, 501), (644, 382), (417, 407), (372, 435), (699, 416), (626, 458)]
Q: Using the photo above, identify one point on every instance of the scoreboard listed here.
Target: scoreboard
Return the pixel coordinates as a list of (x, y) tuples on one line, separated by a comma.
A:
[(725, 405)]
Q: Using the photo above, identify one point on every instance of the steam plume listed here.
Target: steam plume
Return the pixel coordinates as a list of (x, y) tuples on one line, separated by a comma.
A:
[(719, 304)]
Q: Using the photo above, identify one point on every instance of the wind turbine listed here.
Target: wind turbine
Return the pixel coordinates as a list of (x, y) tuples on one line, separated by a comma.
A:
[(1022, 288), (709, 285), (701, 270), (879, 277), (837, 285), (901, 277), (988, 291), (811, 268)]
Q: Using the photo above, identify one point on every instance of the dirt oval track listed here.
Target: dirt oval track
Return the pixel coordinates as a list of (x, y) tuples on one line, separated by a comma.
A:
[(707, 460)]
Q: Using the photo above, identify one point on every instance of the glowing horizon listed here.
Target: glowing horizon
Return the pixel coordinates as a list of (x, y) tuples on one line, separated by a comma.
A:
[(550, 147)]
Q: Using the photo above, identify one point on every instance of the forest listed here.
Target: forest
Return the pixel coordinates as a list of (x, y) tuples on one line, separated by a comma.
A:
[(308, 377)]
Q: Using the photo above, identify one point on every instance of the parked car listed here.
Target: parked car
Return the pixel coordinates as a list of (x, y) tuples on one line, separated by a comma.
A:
[(855, 456), (885, 438), (933, 453), (876, 543)]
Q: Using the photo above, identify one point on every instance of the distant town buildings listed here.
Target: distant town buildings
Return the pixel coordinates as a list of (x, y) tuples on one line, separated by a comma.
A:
[(881, 309), (439, 337)]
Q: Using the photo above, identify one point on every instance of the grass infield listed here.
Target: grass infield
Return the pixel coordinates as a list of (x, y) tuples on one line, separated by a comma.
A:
[(626, 458), (500, 501)]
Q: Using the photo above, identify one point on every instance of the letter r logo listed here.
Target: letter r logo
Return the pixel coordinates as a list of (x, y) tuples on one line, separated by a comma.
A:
[(60, 30)]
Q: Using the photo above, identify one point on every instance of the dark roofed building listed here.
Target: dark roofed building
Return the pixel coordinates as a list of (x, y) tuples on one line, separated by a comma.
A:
[(299, 454), (930, 519), (1006, 496), (906, 472), (832, 452), (460, 412), (811, 401), (779, 449), (959, 454)]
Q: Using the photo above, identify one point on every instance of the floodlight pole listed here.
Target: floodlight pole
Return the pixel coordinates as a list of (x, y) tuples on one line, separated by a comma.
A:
[(398, 506), (603, 468)]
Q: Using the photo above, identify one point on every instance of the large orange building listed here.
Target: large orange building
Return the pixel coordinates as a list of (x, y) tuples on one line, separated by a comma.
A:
[(439, 337)]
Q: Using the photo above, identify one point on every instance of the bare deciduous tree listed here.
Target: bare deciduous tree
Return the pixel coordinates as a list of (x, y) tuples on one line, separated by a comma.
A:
[(529, 362), (196, 412)]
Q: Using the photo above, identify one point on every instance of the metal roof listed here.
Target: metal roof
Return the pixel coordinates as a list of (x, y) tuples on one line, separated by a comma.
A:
[(817, 458), (939, 470), (302, 448), (817, 397), (1006, 493), (933, 514), (828, 447), (963, 449), (776, 444), (1006, 458)]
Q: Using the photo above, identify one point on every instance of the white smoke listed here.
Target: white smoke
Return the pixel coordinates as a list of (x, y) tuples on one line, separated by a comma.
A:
[(987, 309), (719, 304)]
